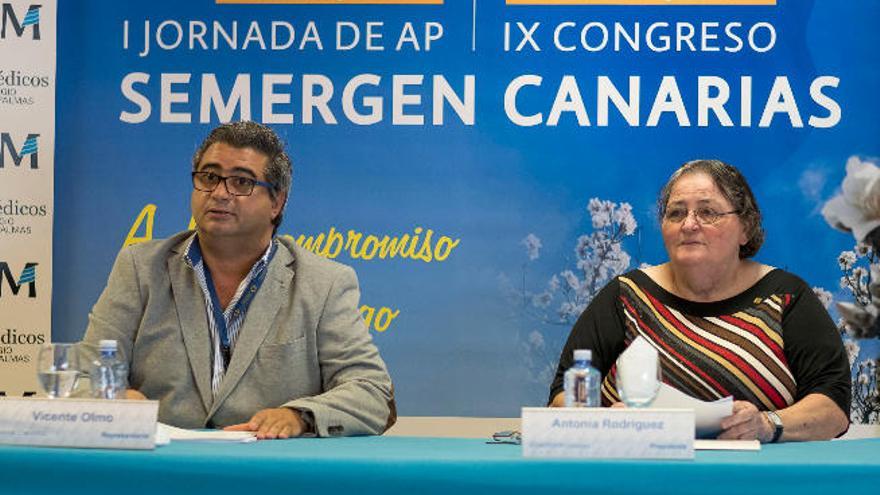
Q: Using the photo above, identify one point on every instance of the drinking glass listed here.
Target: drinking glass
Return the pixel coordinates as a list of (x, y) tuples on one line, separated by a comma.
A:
[(56, 369), (638, 382)]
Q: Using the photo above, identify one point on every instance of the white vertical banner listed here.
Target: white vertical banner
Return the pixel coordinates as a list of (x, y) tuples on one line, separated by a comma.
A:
[(27, 143)]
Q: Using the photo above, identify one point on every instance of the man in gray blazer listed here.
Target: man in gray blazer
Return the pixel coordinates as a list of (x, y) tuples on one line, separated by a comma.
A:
[(231, 326)]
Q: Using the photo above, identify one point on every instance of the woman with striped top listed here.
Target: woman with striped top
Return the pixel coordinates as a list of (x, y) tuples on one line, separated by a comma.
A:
[(722, 323)]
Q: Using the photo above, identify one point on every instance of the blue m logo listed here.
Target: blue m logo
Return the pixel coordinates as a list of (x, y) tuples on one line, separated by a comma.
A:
[(10, 19), (28, 148)]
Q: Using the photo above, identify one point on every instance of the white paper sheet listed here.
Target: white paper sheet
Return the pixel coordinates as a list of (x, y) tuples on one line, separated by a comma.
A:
[(707, 415), (727, 445), (166, 433)]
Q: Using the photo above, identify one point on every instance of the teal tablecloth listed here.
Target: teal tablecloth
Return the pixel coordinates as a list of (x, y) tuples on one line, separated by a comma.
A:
[(422, 466)]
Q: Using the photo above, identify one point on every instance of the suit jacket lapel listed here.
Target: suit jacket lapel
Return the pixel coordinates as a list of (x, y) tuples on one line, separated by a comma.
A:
[(257, 322), (192, 314)]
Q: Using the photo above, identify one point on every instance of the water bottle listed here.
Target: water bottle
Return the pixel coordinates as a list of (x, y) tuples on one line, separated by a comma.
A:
[(109, 375), (582, 381)]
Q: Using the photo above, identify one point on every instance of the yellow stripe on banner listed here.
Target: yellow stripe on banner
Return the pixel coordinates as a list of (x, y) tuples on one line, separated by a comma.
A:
[(641, 2), (335, 2)]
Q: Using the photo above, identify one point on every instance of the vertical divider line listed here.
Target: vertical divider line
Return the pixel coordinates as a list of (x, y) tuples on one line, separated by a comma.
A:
[(474, 26)]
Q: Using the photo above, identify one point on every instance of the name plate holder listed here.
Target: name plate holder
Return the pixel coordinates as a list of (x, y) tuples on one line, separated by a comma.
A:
[(607, 433), (85, 423)]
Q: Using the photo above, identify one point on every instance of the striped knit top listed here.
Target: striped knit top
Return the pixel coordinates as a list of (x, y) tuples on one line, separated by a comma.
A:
[(771, 345)]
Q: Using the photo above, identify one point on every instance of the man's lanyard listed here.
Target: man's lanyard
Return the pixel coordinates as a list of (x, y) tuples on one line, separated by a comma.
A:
[(240, 308)]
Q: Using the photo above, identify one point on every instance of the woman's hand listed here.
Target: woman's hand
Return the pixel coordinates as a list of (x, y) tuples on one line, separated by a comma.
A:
[(746, 423)]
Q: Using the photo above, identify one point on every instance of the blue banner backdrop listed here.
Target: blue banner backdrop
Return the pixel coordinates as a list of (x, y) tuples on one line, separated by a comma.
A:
[(465, 156)]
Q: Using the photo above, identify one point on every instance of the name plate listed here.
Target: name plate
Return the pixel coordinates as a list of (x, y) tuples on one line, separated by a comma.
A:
[(89, 423), (608, 433)]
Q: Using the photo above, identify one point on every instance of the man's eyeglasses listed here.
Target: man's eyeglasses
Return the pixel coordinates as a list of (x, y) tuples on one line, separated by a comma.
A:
[(236, 185), (703, 215)]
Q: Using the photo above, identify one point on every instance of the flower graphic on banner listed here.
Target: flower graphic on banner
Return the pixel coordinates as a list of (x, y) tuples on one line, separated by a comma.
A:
[(859, 268), (857, 210), (599, 256), (866, 402)]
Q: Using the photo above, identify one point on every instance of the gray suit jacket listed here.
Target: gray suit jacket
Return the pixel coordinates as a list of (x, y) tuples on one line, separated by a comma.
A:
[(303, 343)]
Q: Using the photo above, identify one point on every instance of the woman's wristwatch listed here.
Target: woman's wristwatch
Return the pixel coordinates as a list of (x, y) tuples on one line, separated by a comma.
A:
[(776, 421)]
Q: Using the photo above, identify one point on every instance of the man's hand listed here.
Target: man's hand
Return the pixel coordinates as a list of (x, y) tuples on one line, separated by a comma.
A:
[(281, 422), (746, 423), (132, 394)]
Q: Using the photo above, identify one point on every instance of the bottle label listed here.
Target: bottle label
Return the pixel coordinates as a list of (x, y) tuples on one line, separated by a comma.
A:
[(580, 391)]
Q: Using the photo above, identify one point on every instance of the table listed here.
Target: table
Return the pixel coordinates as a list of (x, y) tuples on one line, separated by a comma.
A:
[(424, 466)]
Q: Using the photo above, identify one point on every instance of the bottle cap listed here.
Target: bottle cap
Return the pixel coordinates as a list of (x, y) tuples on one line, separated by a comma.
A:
[(107, 345), (583, 355)]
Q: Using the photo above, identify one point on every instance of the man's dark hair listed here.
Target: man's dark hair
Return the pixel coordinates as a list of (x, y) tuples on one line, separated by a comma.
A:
[(734, 188), (248, 134)]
